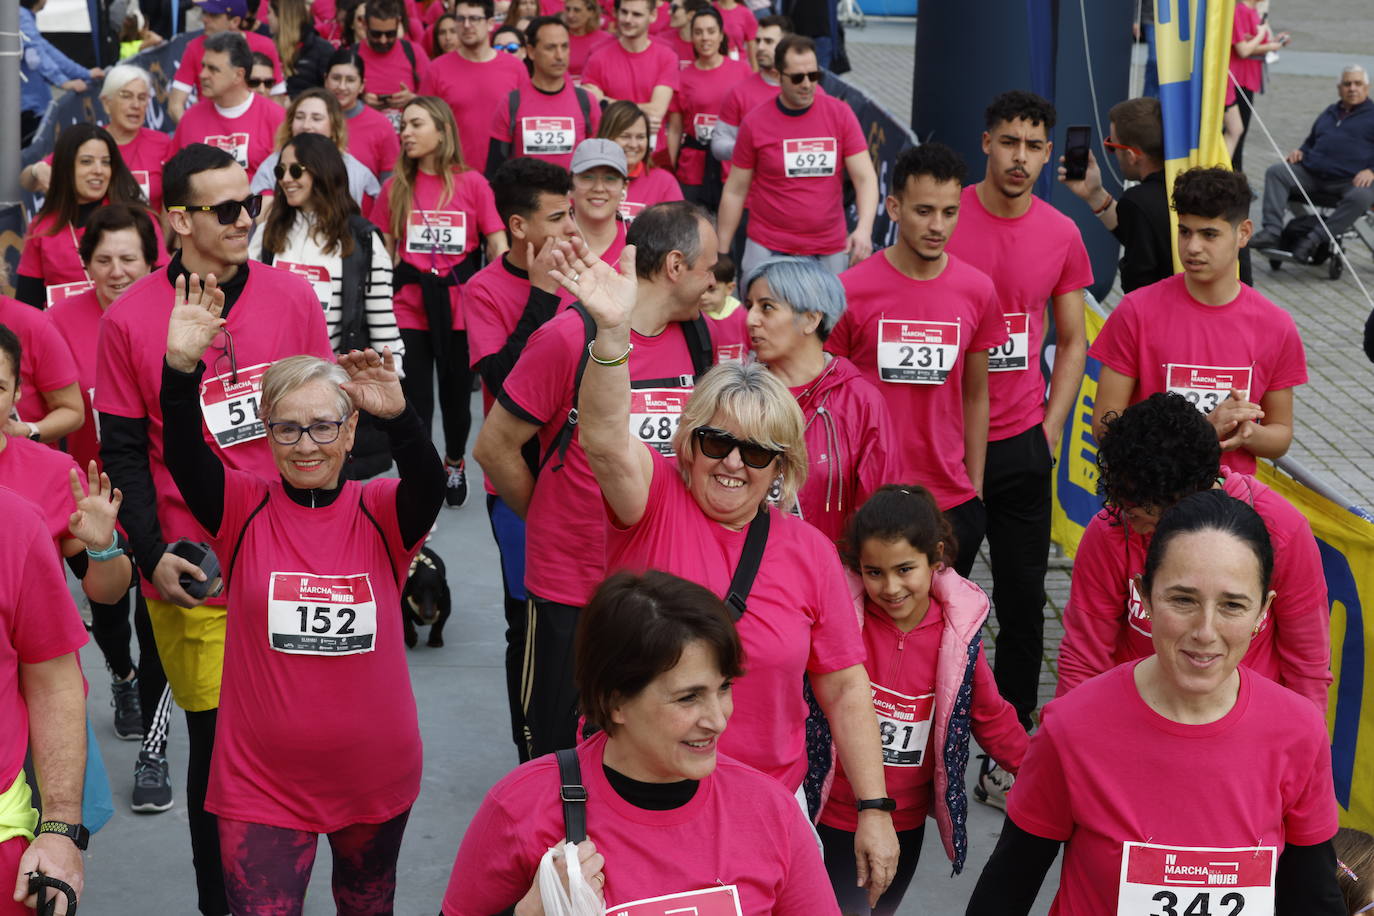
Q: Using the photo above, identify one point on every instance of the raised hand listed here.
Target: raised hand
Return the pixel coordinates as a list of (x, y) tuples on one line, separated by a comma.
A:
[(97, 509), (373, 383), (542, 264), (608, 295), (195, 322)]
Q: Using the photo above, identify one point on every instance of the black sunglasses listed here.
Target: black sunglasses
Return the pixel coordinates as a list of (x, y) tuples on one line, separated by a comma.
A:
[(295, 168), (228, 212), (797, 78), (717, 443), (258, 84), (376, 34)]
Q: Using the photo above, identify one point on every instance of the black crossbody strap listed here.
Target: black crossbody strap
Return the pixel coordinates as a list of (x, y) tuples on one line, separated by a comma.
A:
[(561, 441), (573, 795), (238, 543), (736, 601)]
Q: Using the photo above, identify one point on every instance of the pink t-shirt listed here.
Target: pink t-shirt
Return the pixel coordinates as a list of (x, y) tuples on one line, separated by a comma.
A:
[(77, 319), (1031, 259), (54, 258), (188, 72), (145, 155), (386, 72), (741, 27), (475, 91), (441, 235), (1253, 780), (1105, 624), (1166, 340), (562, 538), (372, 140), (908, 337), (699, 101), (1248, 71), (852, 448), (548, 125), (291, 697), (580, 47), (38, 620), (42, 476), (45, 360), (249, 138), (739, 830), (620, 74), (746, 96), (796, 198), (276, 315), (646, 188), (493, 301), (681, 47), (795, 624)]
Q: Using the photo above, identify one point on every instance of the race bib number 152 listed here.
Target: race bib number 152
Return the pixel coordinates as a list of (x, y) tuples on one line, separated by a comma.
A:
[(321, 615), (1199, 881)]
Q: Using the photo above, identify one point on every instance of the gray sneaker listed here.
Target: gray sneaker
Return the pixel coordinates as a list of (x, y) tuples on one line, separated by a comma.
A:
[(993, 784), (128, 713), (152, 787)]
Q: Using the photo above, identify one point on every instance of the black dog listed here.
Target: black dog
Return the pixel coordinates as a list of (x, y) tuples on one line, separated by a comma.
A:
[(425, 601)]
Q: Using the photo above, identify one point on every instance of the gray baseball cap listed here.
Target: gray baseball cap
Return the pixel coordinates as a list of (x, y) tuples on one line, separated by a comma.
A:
[(595, 151)]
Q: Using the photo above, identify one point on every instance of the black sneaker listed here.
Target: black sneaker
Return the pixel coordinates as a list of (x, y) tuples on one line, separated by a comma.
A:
[(152, 788), (1265, 240), (456, 493), (993, 784), (128, 714), (1307, 246)]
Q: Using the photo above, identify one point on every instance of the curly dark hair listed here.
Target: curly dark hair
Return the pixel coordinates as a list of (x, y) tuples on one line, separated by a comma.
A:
[(1213, 194), (934, 159), (1155, 453), (1019, 104)]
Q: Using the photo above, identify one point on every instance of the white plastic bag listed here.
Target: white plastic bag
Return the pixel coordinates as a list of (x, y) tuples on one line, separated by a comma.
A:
[(579, 899)]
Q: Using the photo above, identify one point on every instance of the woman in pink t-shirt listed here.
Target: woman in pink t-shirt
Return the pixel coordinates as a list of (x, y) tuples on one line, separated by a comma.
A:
[(1251, 40), (665, 816), (696, 107), (583, 19), (314, 564), (740, 438), (628, 125), (371, 138), (1182, 782)]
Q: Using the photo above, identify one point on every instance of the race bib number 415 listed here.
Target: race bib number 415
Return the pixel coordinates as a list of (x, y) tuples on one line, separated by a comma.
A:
[(1201, 881), (321, 615), (437, 232), (813, 157), (655, 414), (712, 901), (915, 352), (1207, 386)]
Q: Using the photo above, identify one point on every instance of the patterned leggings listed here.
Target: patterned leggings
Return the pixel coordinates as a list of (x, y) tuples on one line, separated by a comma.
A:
[(267, 869)]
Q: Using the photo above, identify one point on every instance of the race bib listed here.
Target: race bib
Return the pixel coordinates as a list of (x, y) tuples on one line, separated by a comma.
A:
[(235, 144), (547, 135), (810, 158), (1204, 881), (903, 726), (437, 232), (703, 125), (230, 408), (913, 352), (1207, 386), (317, 277), (321, 615), (711, 901), (727, 352), (60, 291), (144, 184), (629, 209), (1013, 355), (655, 414), (1135, 609)]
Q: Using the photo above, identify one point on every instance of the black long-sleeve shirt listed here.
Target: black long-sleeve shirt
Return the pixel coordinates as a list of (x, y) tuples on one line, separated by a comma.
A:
[(1142, 228)]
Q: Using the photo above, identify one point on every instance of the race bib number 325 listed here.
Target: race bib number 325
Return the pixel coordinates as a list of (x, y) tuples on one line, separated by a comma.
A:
[(812, 157), (913, 352), (547, 135), (321, 615), (1200, 881)]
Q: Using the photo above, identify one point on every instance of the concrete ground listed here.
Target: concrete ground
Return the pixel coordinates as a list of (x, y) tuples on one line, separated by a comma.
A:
[(140, 864)]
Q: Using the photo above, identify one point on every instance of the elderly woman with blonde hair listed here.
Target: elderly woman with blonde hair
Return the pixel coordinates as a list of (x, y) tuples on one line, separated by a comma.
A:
[(706, 515), (314, 663)]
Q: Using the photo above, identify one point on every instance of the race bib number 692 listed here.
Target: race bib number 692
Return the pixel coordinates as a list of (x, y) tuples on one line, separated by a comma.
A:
[(813, 157)]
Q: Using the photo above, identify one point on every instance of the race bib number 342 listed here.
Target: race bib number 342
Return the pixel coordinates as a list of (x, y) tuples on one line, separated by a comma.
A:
[(914, 352), (1199, 881), (812, 157), (321, 615), (711, 901)]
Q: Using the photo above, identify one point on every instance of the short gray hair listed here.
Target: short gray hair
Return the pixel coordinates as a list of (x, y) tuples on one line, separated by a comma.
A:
[(1355, 68), (286, 375), (664, 228), (122, 75), (804, 285), (236, 46)]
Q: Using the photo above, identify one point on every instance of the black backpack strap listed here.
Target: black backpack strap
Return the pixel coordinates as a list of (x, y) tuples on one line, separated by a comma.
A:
[(513, 100), (561, 441), (381, 534), (573, 795), (698, 335), (414, 69), (584, 101), (736, 601), (268, 256), (238, 542)]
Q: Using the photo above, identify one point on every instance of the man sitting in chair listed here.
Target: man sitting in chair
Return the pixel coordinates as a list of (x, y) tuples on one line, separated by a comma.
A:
[(1335, 162)]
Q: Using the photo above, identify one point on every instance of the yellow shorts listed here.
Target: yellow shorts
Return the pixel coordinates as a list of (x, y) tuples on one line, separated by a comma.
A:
[(191, 643)]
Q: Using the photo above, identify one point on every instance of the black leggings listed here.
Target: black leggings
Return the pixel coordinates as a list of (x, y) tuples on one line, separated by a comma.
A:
[(455, 386), (1246, 104), (200, 732), (843, 872)]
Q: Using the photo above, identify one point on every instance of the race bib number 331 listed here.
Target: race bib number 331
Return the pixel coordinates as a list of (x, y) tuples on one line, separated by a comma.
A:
[(1199, 881), (321, 615), (1207, 386)]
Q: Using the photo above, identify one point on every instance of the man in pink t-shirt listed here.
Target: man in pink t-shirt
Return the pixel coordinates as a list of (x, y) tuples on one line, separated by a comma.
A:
[(229, 115), (786, 166), (395, 66), (565, 545), (919, 325), (547, 119), (476, 81), (1218, 342), (219, 16), (634, 67), (1034, 255), (752, 92)]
